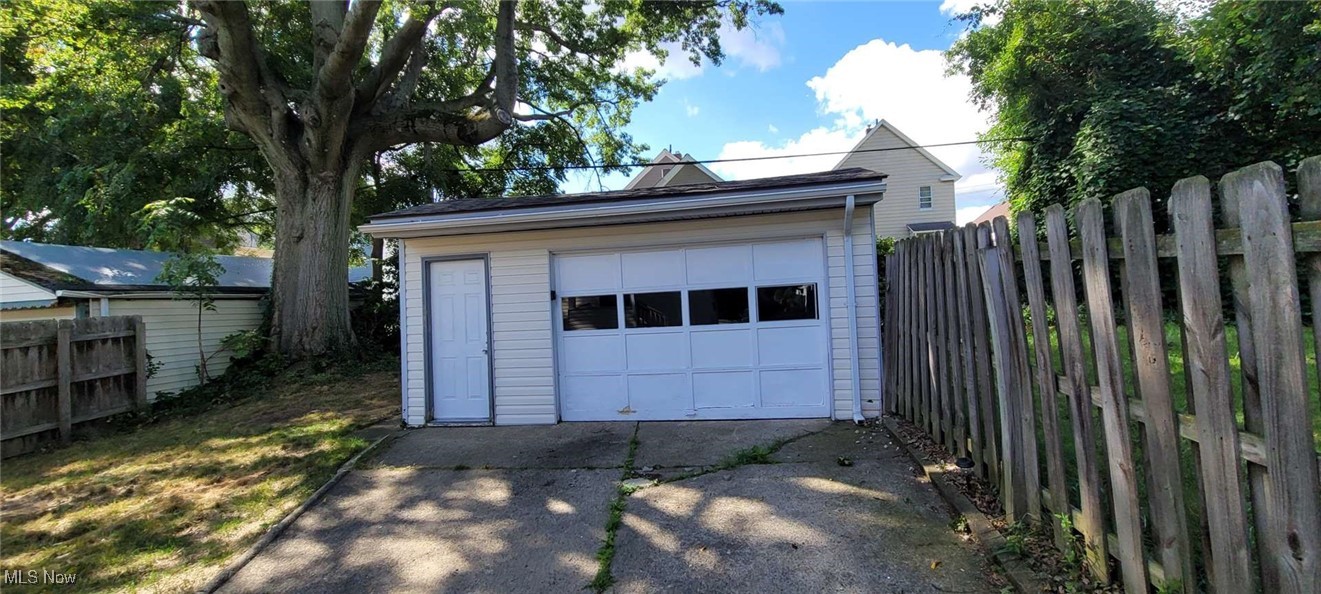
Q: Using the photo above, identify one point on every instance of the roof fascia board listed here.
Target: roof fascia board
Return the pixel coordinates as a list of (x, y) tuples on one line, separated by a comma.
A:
[(729, 202)]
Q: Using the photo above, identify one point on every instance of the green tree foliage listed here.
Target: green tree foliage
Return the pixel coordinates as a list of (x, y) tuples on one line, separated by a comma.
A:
[(107, 112), (1116, 94)]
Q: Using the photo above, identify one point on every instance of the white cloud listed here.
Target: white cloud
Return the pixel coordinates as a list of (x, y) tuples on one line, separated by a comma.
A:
[(882, 80), (690, 109), (773, 129), (968, 213), (755, 46), (815, 141)]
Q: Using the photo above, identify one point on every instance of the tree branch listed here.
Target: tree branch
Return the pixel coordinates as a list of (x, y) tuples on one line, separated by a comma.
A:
[(505, 65), (403, 92), (333, 79), (228, 40), (396, 53), (327, 22)]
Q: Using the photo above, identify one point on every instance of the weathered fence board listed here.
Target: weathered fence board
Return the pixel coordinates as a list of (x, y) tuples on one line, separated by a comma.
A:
[(1046, 385), (1092, 525), (1146, 327), (1114, 405), (1293, 536), (55, 374)]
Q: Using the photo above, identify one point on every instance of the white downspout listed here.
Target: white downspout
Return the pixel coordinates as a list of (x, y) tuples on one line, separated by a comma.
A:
[(850, 301)]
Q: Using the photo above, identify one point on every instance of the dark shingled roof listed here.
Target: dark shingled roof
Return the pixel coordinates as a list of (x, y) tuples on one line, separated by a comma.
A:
[(699, 190), (938, 226)]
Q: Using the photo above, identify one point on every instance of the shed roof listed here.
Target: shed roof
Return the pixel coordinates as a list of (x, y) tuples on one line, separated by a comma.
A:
[(701, 190), (82, 268)]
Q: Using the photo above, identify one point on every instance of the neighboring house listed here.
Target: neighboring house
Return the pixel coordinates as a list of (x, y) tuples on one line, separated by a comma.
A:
[(670, 169), (920, 188), (999, 209), (44, 281), (748, 299)]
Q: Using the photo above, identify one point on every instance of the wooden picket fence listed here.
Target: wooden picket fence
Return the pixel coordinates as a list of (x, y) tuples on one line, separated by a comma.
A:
[(1213, 487), (56, 374)]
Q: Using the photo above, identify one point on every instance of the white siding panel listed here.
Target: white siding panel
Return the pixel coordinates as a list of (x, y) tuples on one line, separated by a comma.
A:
[(14, 290), (172, 336)]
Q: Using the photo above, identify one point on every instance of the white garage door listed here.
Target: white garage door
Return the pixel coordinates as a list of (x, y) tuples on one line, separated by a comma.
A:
[(712, 332)]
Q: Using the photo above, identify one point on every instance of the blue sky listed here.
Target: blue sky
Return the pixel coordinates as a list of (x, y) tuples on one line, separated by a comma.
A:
[(809, 81)]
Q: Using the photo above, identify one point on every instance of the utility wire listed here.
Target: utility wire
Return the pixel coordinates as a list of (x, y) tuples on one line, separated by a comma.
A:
[(737, 159)]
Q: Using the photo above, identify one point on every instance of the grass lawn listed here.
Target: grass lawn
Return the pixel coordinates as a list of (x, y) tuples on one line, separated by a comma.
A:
[(162, 507)]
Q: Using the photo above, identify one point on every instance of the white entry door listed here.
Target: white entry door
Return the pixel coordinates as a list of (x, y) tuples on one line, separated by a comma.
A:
[(460, 345)]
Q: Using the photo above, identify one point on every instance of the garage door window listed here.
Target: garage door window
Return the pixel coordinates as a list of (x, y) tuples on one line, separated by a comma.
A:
[(593, 312), (718, 306), (653, 310), (786, 302)]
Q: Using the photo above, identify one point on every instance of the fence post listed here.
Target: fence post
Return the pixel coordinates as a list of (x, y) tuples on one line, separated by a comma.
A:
[(1114, 402), (140, 360), (64, 375), (1206, 355), (1092, 525), (941, 347), (952, 301), (1294, 536)]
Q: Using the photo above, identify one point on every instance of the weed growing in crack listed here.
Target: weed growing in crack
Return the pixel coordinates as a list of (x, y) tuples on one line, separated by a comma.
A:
[(605, 556)]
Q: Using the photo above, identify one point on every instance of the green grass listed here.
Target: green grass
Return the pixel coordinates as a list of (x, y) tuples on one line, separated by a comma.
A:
[(605, 556), (1180, 397), (164, 505)]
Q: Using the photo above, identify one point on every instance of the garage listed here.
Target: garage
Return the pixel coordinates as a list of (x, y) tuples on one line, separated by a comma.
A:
[(701, 332), (753, 299)]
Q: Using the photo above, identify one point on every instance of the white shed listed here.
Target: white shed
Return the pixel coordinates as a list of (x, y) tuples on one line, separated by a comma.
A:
[(40, 281), (725, 300)]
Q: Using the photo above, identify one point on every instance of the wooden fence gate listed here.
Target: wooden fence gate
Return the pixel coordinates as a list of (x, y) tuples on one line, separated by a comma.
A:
[(1199, 478), (55, 374)]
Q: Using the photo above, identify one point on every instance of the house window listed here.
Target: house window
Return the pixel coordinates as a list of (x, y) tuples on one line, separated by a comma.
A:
[(596, 312), (653, 310), (924, 197), (786, 302), (718, 306)]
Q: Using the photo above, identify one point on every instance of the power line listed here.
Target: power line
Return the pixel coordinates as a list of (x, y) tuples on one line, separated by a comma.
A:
[(738, 159)]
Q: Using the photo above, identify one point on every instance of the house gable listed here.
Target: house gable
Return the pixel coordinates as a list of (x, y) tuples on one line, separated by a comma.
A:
[(919, 187)]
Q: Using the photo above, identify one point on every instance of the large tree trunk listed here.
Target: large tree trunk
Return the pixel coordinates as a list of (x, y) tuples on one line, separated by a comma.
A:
[(310, 290)]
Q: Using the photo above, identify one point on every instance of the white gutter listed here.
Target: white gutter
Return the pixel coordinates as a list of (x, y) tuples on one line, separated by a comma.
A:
[(164, 294), (474, 221), (850, 303)]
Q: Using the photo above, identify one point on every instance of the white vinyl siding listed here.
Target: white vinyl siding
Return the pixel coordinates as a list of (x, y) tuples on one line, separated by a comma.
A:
[(172, 336), (906, 171), (13, 290), (523, 355), (924, 198)]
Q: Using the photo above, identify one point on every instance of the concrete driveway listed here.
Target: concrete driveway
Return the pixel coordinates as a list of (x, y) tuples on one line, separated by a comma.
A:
[(501, 509)]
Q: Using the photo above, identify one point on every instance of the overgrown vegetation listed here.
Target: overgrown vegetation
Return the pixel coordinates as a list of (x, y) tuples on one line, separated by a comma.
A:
[(1108, 95), (162, 499)]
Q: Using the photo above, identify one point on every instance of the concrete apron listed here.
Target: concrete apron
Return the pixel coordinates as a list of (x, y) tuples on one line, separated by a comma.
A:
[(501, 509)]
